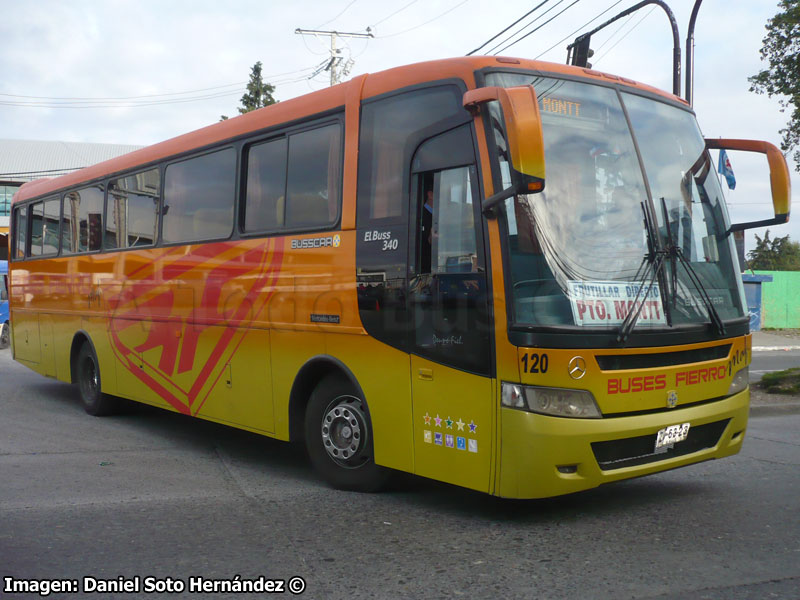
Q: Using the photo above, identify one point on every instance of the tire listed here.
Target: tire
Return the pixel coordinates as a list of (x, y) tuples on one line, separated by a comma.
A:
[(87, 375), (339, 437), (5, 330)]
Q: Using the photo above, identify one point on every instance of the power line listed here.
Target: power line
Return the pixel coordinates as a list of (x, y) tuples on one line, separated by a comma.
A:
[(616, 31), (565, 38), (538, 28), (521, 29), (497, 35), (344, 10), (449, 10), (92, 99), (335, 65), (639, 22), (111, 103), (110, 98), (399, 10), (45, 104)]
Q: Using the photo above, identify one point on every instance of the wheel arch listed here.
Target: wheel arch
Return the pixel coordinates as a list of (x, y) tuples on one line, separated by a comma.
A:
[(308, 377)]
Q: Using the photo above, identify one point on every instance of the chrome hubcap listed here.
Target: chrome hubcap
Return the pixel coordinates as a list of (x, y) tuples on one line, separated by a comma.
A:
[(343, 430)]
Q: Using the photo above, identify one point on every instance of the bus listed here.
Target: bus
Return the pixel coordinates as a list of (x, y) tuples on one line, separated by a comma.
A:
[(513, 276)]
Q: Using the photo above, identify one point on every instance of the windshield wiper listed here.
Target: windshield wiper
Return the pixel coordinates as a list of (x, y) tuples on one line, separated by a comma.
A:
[(655, 260), (676, 252)]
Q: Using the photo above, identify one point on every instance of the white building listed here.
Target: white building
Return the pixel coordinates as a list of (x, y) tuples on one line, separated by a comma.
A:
[(26, 160)]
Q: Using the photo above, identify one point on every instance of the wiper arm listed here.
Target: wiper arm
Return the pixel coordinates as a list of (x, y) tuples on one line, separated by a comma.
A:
[(675, 252), (655, 261)]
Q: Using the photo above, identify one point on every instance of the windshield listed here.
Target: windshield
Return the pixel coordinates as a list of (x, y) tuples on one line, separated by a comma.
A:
[(580, 253)]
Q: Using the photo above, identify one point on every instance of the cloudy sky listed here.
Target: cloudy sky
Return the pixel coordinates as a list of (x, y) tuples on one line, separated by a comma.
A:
[(147, 70)]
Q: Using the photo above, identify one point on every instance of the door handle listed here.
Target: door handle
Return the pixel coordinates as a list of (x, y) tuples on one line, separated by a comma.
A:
[(426, 374)]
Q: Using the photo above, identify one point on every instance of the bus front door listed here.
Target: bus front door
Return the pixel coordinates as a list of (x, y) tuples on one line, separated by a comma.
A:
[(450, 341)]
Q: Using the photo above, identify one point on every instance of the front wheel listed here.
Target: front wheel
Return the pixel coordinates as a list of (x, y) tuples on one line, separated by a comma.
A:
[(87, 371), (339, 437)]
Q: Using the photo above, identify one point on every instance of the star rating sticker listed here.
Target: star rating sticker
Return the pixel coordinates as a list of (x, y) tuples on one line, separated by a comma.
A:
[(472, 427), (427, 419), (449, 423), (460, 424), (438, 420)]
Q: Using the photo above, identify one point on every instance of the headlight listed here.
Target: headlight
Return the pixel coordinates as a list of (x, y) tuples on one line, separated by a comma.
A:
[(740, 381), (558, 402)]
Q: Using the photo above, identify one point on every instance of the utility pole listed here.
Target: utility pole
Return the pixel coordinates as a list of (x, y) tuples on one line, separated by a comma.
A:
[(334, 64)]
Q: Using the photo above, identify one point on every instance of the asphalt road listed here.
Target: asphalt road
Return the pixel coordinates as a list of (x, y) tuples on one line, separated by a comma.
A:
[(766, 361), (151, 493)]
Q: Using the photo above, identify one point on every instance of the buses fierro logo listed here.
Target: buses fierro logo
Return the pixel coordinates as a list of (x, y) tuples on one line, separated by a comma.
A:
[(334, 241)]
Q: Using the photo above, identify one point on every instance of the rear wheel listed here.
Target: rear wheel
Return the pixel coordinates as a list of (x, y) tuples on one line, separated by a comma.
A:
[(339, 437), (87, 371), (4, 335)]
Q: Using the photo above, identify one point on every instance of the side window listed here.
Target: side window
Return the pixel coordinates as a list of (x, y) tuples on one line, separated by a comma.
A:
[(20, 231), (446, 241), (82, 221), (447, 223), (37, 227), (266, 186), (314, 178), (132, 210), (69, 228), (389, 127), (199, 196), (44, 228)]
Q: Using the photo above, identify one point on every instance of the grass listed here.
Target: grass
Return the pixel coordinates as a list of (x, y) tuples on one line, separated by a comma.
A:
[(782, 382)]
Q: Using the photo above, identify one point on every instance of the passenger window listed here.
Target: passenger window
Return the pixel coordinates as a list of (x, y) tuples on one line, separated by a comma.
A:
[(199, 196), (314, 177), (132, 210), (68, 244), (266, 186), (44, 228), (20, 231), (37, 225), (82, 223)]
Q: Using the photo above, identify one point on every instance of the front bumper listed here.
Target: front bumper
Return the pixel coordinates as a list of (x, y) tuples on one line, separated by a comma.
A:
[(543, 456)]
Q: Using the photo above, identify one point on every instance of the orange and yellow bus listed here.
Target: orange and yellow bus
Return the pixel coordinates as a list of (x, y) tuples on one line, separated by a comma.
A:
[(513, 276)]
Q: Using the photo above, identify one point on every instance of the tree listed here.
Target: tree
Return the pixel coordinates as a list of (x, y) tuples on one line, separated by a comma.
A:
[(777, 254), (258, 95), (782, 49)]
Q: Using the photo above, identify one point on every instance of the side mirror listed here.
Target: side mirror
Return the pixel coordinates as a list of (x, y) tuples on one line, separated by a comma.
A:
[(778, 177), (523, 125)]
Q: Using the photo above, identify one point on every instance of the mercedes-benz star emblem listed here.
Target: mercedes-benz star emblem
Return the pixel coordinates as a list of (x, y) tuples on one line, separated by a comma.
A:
[(672, 399), (577, 367)]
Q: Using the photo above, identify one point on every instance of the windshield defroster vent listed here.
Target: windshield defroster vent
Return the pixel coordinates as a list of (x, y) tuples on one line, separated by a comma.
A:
[(619, 362)]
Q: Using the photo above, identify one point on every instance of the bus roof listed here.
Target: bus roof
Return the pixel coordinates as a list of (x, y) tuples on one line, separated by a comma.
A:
[(363, 86)]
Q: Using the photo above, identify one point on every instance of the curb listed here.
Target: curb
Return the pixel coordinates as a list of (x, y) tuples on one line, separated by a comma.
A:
[(772, 410), (774, 348)]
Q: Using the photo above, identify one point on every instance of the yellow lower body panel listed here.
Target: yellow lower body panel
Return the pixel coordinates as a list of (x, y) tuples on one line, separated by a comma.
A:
[(543, 456)]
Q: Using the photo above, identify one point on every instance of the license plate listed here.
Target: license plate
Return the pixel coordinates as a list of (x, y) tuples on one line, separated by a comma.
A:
[(672, 435)]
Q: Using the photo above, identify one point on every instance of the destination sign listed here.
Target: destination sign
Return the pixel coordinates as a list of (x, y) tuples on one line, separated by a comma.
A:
[(602, 303)]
